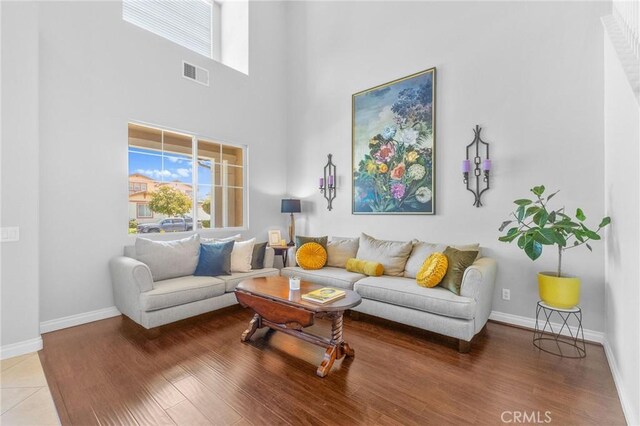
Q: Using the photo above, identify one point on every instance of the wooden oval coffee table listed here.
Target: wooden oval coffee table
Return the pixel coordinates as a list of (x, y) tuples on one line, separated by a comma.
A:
[(284, 310)]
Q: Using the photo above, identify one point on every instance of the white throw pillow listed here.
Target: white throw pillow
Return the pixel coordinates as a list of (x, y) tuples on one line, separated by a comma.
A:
[(419, 254), (339, 250), (392, 254), (236, 237), (241, 255), (169, 259)]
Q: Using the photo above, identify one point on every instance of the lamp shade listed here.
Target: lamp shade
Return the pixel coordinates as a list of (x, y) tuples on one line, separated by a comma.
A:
[(290, 206)]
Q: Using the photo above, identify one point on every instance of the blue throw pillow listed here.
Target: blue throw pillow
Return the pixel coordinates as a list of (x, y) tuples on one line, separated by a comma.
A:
[(215, 259)]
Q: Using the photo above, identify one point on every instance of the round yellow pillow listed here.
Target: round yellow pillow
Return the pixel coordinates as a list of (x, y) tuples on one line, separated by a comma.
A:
[(433, 270), (311, 256)]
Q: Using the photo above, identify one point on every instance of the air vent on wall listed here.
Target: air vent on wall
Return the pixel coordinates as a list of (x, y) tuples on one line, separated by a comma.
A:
[(195, 73)]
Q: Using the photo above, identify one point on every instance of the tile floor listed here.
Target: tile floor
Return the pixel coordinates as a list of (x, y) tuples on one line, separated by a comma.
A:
[(24, 395)]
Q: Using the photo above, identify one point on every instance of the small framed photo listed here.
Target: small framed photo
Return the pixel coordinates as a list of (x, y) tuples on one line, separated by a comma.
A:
[(275, 237)]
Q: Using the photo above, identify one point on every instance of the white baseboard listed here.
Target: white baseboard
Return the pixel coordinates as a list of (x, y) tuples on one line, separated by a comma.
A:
[(590, 335), (627, 407), (78, 319), (21, 348)]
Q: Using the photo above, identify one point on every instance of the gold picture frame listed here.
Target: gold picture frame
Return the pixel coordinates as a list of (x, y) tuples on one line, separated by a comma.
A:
[(393, 147)]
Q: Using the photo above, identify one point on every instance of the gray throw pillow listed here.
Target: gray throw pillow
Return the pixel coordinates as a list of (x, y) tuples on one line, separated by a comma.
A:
[(392, 254), (320, 240), (257, 259), (169, 259), (341, 250)]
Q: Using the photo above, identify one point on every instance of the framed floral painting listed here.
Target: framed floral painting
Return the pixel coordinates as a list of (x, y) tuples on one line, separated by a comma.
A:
[(393, 147)]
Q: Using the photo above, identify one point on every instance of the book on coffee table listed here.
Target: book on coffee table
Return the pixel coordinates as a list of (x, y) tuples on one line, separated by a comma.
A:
[(323, 295)]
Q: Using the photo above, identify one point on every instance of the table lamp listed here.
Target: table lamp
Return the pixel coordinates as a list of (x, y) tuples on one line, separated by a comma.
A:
[(291, 206)]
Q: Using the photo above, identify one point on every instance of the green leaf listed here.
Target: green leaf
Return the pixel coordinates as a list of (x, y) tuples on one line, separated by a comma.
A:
[(605, 222), (552, 217), (545, 236), (533, 249), (565, 224), (520, 213), (552, 195), (580, 215), (511, 235), (522, 241), (540, 218), (504, 225), (531, 210), (591, 235), (538, 190), (523, 202)]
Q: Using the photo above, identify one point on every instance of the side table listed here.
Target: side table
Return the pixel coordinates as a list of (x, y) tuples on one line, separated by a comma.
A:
[(573, 343), (281, 251)]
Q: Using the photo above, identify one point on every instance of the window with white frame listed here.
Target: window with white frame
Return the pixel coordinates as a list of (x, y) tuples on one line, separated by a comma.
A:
[(217, 29), (184, 176), (143, 211), (185, 22)]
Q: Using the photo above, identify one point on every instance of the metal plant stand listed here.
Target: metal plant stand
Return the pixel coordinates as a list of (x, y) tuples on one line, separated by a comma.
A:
[(573, 343)]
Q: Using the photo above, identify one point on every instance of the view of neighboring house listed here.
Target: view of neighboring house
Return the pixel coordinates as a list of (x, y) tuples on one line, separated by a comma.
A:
[(140, 189)]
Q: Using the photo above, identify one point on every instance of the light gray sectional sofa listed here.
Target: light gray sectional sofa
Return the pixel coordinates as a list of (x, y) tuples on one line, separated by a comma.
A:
[(398, 297), (176, 294)]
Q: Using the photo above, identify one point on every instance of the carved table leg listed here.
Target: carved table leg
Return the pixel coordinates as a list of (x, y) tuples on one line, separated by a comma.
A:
[(337, 349), (327, 361), (253, 326)]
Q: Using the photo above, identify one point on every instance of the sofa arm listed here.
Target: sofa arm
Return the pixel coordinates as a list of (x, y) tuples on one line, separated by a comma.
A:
[(269, 255), (129, 278), (478, 283), (291, 256)]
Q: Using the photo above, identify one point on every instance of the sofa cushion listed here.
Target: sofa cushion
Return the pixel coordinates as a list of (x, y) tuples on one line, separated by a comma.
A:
[(459, 261), (241, 255), (215, 259), (231, 281), (340, 250), (392, 254), (311, 256), (178, 291), (332, 277), (422, 250), (257, 258), (169, 259), (405, 292), (372, 269)]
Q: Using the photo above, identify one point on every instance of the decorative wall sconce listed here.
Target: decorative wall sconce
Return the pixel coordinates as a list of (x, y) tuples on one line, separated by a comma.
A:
[(328, 182), (479, 164)]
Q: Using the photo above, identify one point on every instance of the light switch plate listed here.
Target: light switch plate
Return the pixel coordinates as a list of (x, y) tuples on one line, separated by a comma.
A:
[(10, 234)]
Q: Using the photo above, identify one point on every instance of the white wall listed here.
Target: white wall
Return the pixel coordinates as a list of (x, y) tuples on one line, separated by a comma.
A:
[(96, 73), (19, 189), (530, 73), (622, 190)]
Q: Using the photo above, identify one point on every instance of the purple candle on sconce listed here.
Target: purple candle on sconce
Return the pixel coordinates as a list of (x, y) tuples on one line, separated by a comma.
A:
[(466, 166), (331, 180), (486, 165), (321, 182)]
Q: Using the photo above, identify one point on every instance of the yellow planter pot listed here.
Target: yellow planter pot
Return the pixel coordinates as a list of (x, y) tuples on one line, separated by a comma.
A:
[(559, 292)]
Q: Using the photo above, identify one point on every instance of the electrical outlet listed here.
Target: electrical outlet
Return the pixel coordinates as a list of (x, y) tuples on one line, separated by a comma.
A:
[(506, 294), (10, 234)]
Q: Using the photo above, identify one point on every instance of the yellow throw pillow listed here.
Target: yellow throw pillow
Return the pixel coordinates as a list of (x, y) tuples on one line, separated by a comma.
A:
[(373, 269), (433, 270), (311, 256)]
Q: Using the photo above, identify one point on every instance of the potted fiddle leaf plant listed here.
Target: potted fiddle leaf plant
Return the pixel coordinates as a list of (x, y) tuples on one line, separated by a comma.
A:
[(535, 225)]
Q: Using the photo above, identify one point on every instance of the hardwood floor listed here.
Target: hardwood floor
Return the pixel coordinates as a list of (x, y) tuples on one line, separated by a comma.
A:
[(198, 372)]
